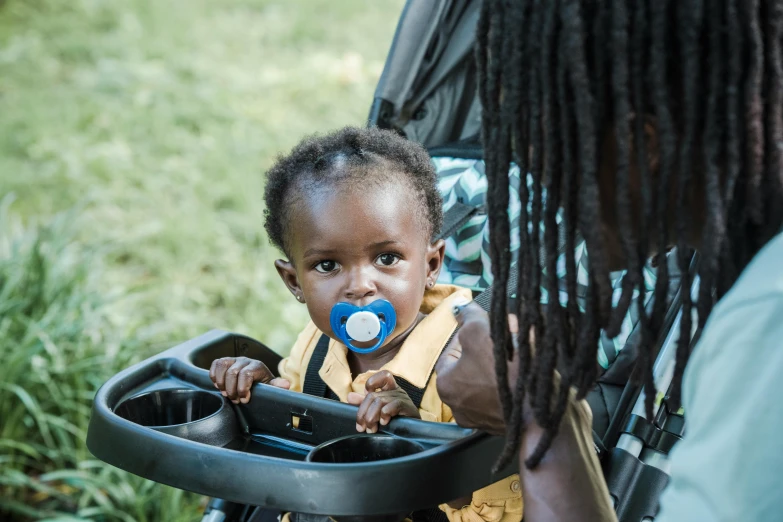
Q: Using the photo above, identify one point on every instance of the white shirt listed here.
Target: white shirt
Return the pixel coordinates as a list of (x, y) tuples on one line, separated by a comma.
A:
[(729, 466)]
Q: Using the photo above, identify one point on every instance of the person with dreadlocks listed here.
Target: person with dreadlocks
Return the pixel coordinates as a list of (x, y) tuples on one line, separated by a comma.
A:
[(651, 123)]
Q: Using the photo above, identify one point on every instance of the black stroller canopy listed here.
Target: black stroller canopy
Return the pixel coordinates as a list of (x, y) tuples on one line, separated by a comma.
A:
[(428, 87)]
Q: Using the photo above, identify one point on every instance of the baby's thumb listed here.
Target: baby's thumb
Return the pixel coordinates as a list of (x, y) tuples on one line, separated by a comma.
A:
[(279, 382), (355, 398)]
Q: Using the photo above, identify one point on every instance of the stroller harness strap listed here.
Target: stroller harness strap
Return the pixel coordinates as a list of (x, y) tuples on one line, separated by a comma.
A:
[(314, 385), (455, 217)]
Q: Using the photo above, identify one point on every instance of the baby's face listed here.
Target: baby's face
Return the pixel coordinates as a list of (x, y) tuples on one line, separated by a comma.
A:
[(359, 245)]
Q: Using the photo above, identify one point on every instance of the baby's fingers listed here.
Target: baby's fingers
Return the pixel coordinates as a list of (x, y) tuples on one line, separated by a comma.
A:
[(373, 415), (217, 372), (381, 381), (212, 372), (247, 376), (355, 398), (232, 379), (391, 409), (254, 371), (279, 382), (361, 413)]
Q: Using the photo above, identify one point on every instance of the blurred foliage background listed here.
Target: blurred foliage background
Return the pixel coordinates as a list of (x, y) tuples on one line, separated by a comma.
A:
[(133, 139)]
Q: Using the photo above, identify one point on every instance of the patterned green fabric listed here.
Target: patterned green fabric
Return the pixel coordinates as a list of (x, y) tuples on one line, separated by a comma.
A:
[(467, 251)]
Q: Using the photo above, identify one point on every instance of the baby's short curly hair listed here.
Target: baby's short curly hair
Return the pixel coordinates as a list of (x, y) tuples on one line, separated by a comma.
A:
[(343, 158)]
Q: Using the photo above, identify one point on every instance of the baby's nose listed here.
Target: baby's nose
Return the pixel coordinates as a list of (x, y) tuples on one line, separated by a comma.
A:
[(360, 285)]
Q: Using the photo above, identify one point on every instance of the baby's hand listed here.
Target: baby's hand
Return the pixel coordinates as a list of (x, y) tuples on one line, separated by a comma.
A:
[(234, 376), (383, 401)]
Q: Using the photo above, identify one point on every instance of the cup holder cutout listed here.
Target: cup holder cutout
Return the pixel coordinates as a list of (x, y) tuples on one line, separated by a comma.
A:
[(363, 447), (196, 415), (169, 407)]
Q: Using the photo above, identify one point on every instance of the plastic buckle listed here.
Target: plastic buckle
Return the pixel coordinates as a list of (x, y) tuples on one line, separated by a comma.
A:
[(639, 427), (663, 441), (660, 435)]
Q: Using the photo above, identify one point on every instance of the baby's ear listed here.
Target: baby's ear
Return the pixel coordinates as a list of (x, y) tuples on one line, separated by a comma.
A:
[(435, 253), (287, 273)]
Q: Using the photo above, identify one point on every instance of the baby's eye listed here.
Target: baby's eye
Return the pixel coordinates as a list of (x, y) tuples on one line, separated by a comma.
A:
[(326, 266), (387, 259)]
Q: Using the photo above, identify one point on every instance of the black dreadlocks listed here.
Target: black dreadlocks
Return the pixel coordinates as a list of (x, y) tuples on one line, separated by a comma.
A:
[(558, 78), (348, 156)]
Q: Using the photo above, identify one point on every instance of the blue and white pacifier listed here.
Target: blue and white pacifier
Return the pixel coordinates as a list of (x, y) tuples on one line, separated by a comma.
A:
[(363, 324)]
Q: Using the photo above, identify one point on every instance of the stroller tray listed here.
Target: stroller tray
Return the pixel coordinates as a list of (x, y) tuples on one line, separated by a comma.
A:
[(163, 420)]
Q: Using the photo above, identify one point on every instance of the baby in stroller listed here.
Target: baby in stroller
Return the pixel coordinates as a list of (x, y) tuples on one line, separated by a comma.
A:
[(355, 213)]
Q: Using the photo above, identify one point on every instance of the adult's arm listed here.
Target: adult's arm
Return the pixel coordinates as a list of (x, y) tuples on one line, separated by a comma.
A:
[(568, 484)]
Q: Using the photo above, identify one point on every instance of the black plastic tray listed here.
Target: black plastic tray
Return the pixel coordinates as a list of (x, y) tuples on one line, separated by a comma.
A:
[(163, 420)]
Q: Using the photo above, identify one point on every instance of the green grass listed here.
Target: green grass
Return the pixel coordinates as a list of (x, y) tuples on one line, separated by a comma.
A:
[(133, 138), (58, 342)]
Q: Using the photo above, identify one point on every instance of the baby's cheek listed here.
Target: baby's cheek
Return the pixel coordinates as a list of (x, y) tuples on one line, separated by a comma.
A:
[(320, 317), (411, 313), (407, 312), (405, 291)]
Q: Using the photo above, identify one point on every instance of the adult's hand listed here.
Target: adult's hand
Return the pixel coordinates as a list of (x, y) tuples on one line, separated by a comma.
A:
[(466, 376), (568, 484)]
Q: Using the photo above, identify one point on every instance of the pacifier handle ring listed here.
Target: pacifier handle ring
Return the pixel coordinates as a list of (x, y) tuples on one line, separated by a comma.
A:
[(381, 338)]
